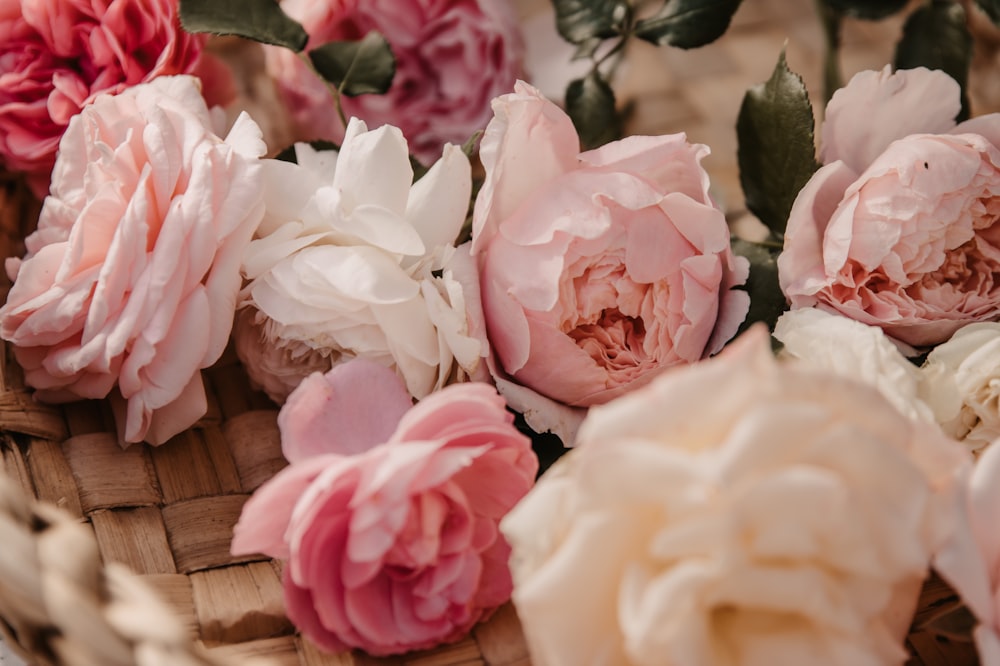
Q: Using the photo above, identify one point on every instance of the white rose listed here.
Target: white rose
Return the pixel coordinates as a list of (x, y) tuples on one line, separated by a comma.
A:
[(852, 349), (737, 511), (961, 383), (354, 259)]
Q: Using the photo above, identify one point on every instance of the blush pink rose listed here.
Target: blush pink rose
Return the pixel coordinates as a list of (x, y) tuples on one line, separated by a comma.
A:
[(388, 514), (131, 278), (899, 228), (599, 269), (57, 55), (452, 58)]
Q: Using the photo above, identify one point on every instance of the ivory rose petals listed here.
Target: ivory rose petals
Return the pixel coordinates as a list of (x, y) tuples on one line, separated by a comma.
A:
[(354, 259), (899, 228), (387, 516), (130, 281), (452, 58), (849, 348), (56, 56), (961, 383), (737, 511), (598, 269)]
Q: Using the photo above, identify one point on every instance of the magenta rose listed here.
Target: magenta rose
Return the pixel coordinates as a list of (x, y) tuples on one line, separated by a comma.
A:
[(56, 56), (387, 515), (130, 281), (899, 228), (599, 269), (452, 58)]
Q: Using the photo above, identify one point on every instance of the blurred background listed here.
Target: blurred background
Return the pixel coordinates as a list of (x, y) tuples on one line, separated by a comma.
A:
[(699, 91)]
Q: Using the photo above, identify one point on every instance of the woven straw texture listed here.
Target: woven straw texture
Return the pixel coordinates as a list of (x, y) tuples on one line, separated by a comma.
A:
[(117, 557)]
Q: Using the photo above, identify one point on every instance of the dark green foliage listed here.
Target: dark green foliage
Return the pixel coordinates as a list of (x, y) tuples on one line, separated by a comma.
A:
[(936, 36), (777, 146), (688, 23), (259, 20), (590, 103), (356, 67)]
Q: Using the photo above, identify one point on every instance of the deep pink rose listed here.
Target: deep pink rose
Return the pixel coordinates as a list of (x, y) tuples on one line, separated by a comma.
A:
[(452, 58), (58, 55), (132, 276), (388, 514), (599, 269), (899, 228)]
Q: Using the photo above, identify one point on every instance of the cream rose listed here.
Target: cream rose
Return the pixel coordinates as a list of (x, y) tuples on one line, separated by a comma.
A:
[(355, 260), (738, 511), (851, 349), (961, 383)]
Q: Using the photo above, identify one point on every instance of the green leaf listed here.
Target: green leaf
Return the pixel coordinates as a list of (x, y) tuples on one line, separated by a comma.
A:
[(288, 154), (259, 20), (687, 23), (590, 103), (777, 147), (470, 145), (419, 169), (936, 36), (992, 9), (767, 303), (356, 67), (580, 21), (867, 9)]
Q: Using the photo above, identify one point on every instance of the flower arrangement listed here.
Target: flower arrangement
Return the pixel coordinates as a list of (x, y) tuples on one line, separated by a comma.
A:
[(766, 443)]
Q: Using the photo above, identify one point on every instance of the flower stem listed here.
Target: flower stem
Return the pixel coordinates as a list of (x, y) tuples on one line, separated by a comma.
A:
[(334, 90), (832, 21)]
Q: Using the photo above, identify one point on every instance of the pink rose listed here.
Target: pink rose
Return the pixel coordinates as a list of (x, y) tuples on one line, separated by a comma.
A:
[(132, 276), (898, 228), (599, 269), (56, 56), (452, 58), (388, 515)]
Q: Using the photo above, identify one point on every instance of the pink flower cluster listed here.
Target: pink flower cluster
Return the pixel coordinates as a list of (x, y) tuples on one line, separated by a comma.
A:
[(588, 274), (452, 58), (56, 56)]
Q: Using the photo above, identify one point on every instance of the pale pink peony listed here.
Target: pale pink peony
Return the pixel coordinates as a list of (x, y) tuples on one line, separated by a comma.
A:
[(56, 56), (388, 514), (899, 228), (131, 279), (452, 58), (736, 512), (599, 269)]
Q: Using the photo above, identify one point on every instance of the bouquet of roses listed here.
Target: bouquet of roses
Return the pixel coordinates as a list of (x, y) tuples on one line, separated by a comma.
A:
[(404, 288)]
